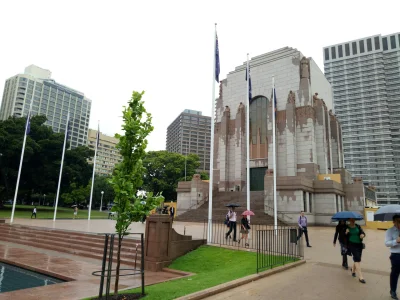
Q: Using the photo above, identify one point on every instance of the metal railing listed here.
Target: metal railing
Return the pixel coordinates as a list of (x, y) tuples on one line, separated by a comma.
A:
[(277, 247), (106, 272), (219, 235)]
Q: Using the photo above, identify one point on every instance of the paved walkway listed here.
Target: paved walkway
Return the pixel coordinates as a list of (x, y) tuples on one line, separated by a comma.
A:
[(322, 276)]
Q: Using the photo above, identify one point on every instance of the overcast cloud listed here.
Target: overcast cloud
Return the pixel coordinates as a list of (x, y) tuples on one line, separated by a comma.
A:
[(107, 49)]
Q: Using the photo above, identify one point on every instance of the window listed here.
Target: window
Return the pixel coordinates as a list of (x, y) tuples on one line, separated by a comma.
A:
[(369, 45), (377, 43), (392, 42), (361, 44), (347, 49), (258, 120), (354, 46), (304, 201), (326, 53), (385, 44), (340, 49), (337, 204), (310, 202), (333, 50)]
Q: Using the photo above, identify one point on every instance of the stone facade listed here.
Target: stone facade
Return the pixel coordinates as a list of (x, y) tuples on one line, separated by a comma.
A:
[(308, 137)]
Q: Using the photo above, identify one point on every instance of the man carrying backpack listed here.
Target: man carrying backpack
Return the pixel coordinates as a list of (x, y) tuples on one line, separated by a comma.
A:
[(302, 221)]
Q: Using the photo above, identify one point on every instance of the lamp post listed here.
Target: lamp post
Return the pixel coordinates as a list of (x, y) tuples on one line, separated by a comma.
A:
[(44, 199), (101, 201)]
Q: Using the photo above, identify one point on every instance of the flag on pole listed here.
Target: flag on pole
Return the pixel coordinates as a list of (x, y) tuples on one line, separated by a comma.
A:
[(275, 102), (94, 169), (250, 96), (67, 129), (28, 123), (217, 66), (98, 136)]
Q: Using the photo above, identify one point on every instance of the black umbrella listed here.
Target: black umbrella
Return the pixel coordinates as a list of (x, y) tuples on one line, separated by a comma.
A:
[(232, 205), (386, 213)]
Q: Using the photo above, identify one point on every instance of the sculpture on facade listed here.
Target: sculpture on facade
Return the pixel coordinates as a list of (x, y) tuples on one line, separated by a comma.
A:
[(304, 68), (241, 108), (291, 98), (315, 97)]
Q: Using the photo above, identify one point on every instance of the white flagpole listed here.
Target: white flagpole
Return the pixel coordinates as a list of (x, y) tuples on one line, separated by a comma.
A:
[(274, 154), (61, 168), (248, 136), (21, 162), (94, 169), (210, 187)]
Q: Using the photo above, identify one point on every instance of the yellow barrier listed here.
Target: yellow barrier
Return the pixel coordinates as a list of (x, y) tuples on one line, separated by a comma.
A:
[(369, 220), (173, 204)]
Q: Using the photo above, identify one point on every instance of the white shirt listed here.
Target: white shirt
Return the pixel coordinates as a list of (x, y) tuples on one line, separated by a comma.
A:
[(232, 216), (390, 239), (34, 210)]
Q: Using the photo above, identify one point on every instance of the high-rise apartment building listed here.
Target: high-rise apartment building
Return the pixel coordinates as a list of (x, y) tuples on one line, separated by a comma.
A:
[(107, 154), (365, 76), (50, 99), (190, 133)]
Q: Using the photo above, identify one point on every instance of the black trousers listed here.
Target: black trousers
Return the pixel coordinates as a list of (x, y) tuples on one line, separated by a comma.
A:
[(33, 214), (344, 256), (232, 226), (305, 231), (394, 274)]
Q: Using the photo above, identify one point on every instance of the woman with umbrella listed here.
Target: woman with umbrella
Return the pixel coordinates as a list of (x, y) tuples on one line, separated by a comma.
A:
[(245, 227), (232, 220), (341, 232), (355, 236)]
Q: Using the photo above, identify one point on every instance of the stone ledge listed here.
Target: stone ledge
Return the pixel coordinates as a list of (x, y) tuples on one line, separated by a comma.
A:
[(238, 282)]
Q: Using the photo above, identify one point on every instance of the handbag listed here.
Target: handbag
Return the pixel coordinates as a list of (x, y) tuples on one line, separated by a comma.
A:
[(363, 245)]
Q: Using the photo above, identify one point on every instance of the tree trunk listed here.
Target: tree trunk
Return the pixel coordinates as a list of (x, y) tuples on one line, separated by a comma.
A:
[(120, 237)]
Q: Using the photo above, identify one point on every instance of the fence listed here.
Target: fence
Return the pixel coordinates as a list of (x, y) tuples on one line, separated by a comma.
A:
[(277, 247), (220, 229), (108, 257)]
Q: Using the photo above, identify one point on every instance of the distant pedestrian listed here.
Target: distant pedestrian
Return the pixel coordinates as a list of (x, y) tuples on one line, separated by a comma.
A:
[(172, 213), (244, 230), (302, 222), (392, 240), (75, 212), (341, 232), (34, 211), (232, 223), (355, 236)]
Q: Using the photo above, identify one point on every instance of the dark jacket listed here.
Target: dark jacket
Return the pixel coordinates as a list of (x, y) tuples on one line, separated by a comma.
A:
[(341, 232)]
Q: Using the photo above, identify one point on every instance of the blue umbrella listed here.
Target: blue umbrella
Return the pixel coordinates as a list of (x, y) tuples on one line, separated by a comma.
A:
[(345, 215)]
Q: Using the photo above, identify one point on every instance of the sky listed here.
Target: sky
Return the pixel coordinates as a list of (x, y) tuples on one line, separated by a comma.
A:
[(107, 49)]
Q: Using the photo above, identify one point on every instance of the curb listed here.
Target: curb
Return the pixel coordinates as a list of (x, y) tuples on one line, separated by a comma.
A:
[(238, 282)]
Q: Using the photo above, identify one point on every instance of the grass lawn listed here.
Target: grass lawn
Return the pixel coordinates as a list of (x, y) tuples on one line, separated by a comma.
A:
[(212, 265), (47, 212)]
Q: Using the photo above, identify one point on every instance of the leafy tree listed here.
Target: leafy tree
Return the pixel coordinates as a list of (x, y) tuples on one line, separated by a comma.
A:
[(42, 160), (101, 183), (78, 194), (128, 174), (165, 169)]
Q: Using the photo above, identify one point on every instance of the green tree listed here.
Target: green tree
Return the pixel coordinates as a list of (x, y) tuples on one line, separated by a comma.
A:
[(165, 169), (42, 160), (128, 174), (101, 183), (78, 194)]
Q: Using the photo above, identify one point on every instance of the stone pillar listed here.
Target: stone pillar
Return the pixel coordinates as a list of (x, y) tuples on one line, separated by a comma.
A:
[(291, 149), (158, 238), (224, 153), (320, 131), (240, 143), (337, 156)]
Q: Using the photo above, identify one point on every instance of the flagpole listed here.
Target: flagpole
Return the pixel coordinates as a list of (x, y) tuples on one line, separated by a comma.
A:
[(21, 162), (210, 187), (248, 136), (61, 168), (274, 154), (94, 169)]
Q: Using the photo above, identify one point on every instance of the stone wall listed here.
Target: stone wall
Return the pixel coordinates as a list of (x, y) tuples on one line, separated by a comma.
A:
[(191, 194)]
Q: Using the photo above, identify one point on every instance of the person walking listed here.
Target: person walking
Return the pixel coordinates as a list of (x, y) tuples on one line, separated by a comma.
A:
[(172, 212), (232, 223), (75, 212), (341, 232), (355, 236), (302, 222), (244, 230), (392, 240), (34, 211)]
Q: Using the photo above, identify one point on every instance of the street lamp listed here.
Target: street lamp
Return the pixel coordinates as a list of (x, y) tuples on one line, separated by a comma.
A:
[(44, 199), (101, 201)]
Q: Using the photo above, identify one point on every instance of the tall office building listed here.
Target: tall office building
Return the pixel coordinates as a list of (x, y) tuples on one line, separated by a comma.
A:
[(190, 133), (107, 154), (365, 76), (50, 99)]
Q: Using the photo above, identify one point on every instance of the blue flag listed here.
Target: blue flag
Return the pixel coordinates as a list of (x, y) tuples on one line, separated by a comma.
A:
[(249, 83), (98, 136), (67, 129), (275, 102), (217, 67), (28, 124)]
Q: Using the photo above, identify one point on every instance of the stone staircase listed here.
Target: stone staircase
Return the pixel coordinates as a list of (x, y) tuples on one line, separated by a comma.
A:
[(220, 199), (76, 243)]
